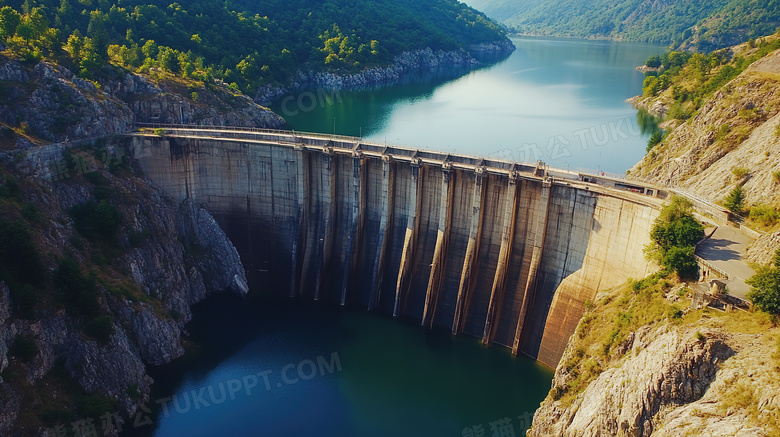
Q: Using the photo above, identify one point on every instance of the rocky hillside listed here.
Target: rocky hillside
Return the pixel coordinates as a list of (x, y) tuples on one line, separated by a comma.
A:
[(639, 364), (44, 103), (736, 128), (732, 139)]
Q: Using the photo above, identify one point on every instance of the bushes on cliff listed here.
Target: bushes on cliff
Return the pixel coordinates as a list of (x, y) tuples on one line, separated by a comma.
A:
[(674, 235), (765, 289), (96, 220)]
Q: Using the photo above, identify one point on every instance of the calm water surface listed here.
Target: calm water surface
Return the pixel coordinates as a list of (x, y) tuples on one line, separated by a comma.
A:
[(271, 367), (562, 101), (391, 377)]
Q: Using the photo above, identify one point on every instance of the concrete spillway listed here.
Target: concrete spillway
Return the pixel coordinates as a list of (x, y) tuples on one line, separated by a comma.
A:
[(493, 249)]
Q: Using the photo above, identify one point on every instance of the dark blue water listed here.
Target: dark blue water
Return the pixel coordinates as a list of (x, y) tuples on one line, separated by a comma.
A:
[(279, 367)]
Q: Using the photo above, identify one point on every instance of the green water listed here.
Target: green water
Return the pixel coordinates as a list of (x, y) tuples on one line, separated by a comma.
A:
[(561, 101), (375, 376)]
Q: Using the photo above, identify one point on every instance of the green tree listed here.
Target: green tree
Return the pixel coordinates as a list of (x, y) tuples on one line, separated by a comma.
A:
[(655, 139), (653, 61), (765, 289), (777, 258), (89, 60), (650, 86), (673, 236), (168, 59), (735, 201), (74, 45), (149, 49), (9, 21)]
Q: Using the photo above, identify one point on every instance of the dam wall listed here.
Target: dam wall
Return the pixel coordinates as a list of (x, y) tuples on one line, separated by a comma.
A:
[(494, 249)]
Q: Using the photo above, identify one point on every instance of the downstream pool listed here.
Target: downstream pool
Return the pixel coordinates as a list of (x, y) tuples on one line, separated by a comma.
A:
[(281, 367)]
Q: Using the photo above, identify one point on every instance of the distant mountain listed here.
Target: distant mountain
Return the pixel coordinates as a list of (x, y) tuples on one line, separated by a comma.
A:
[(699, 24)]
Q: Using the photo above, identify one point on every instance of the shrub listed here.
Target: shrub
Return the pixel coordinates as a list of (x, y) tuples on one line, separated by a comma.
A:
[(76, 291), (764, 215), (776, 176), (25, 299), (735, 201), (739, 172), (655, 139), (159, 132), (24, 348), (765, 289), (20, 261), (97, 220), (700, 336), (101, 328)]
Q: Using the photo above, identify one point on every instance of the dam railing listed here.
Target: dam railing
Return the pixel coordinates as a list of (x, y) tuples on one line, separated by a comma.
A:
[(356, 146)]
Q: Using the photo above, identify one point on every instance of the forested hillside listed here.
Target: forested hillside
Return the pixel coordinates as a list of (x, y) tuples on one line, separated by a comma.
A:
[(704, 25), (243, 42)]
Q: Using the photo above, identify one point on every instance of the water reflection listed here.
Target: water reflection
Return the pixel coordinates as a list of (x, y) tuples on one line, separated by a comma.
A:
[(551, 99)]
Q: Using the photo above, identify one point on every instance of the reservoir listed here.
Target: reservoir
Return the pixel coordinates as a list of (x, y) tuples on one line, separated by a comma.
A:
[(556, 100), (274, 366)]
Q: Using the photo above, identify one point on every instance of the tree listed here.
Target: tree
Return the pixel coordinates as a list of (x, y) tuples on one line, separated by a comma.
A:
[(653, 61), (74, 45), (735, 201), (89, 58), (650, 86), (765, 289), (655, 139), (777, 258), (9, 21), (674, 235)]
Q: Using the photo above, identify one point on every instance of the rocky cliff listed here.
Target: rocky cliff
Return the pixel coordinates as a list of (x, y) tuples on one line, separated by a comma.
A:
[(48, 103), (163, 258), (98, 268), (698, 373)]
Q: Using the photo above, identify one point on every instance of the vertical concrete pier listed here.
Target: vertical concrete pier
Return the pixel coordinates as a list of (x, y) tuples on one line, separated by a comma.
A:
[(470, 262), (500, 280), (440, 252), (410, 238)]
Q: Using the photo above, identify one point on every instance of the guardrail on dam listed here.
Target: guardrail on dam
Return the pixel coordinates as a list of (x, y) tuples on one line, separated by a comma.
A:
[(494, 249)]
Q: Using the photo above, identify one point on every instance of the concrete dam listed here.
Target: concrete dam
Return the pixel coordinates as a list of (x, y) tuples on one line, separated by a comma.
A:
[(505, 252)]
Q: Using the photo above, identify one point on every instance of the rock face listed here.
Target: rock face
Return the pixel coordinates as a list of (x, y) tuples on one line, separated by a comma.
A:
[(49, 102), (169, 256), (404, 64), (701, 379), (672, 368), (762, 251), (735, 129)]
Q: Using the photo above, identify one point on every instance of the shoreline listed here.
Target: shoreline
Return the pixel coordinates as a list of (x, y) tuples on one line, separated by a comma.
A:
[(406, 64)]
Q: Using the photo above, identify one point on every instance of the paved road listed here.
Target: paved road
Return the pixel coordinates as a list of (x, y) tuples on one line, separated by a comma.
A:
[(725, 250)]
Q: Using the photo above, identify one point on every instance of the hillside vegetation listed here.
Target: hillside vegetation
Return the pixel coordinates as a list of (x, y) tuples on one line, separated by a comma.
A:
[(242, 42), (700, 24), (722, 115)]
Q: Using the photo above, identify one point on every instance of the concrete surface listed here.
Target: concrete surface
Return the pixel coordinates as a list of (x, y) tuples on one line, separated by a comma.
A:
[(491, 249), (725, 250)]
